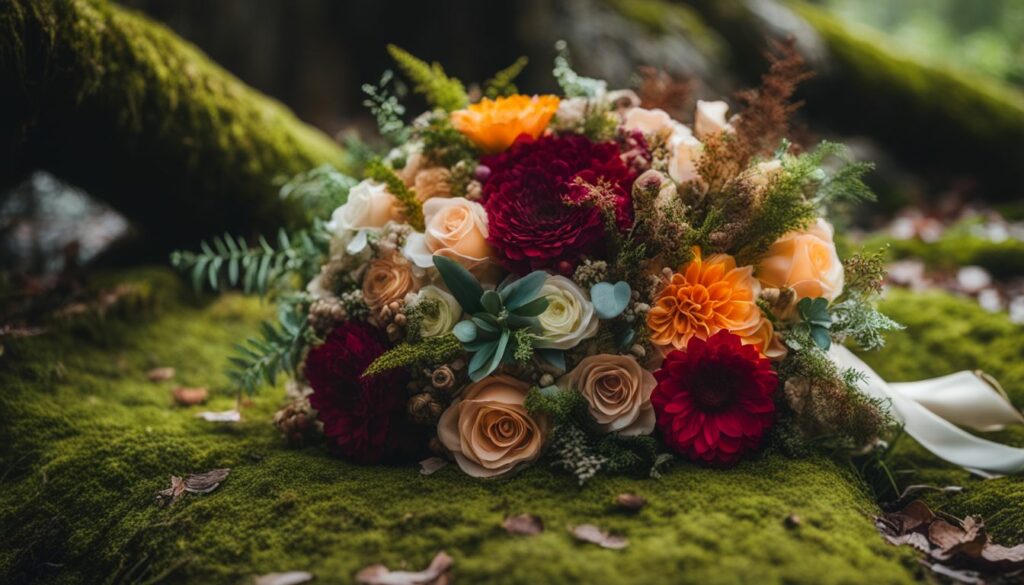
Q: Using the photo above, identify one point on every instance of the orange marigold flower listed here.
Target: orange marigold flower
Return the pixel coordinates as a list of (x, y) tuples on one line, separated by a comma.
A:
[(493, 125), (704, 297)]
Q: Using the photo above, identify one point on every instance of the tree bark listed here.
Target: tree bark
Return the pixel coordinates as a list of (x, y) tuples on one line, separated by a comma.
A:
[(114, 103)]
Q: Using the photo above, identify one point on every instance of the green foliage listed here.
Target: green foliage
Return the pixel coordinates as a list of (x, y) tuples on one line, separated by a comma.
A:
[(502, 83), (230, 261), (816, 320), (413, 209), (493, 331), (859, 320), (427, 351), (864, 273), (430, 80), (278, 349), (573, 84), (444, 145), (319, 191), (385, 105)]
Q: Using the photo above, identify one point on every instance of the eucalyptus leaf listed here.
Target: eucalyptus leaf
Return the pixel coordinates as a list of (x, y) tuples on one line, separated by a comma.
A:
[(485, 325), (610, 300), (533, 308), (821, 337), (465, 331), (499, 352), (516, 321), (555, 357), (480, 361), (463, 285)]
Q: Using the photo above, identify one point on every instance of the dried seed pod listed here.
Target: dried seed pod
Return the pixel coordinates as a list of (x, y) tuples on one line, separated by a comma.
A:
[(442, 378), (424, 409)]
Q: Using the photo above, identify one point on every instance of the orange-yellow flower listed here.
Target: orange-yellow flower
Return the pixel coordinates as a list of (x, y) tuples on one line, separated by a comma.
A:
[(704, 297), (493, 125)]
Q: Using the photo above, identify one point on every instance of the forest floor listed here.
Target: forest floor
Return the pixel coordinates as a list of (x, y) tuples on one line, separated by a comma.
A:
[(87, 441)]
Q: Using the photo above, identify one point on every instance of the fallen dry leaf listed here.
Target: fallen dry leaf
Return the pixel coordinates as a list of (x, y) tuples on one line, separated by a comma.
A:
[(286, 578), (631, 502), (431, 464), (792, 521), (190, 396), (160, 374), (197, 483), (523, 524), (225, 416), (435, 574), (593, 534), (959, 549)]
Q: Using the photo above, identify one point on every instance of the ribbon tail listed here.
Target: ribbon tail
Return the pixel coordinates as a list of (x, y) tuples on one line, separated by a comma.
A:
[(932, 431), (965, 399)]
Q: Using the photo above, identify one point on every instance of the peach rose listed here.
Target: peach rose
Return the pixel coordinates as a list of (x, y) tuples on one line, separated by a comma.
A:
[(489, 431), (805, 261), (618, 393), (710, 119), (455, 227), (388, 279)]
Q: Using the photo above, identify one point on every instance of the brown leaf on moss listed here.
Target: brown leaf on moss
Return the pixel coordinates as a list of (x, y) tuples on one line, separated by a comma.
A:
[(523, 524), (160, 374), (430, 465), (197, 483), (435, 574), (190, 396), (593, 534), (630, 502)]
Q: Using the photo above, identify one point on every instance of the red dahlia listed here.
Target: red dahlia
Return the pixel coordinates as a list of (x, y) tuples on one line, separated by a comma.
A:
[(713, 402), (528, 197), (364, 417)]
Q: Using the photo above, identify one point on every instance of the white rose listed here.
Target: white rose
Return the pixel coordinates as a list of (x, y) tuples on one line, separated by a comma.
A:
[(710, 119), (369, 205), (569, 318), (441, 320)]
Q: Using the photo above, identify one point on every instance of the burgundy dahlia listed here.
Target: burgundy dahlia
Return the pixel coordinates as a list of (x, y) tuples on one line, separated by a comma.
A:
[(713, 402), (529, 196), (364, 418)]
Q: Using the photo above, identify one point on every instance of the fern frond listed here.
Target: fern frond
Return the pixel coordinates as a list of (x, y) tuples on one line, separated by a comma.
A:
[(229, 261), (319, 191), (430, 80), (277, 349), (502, 83)]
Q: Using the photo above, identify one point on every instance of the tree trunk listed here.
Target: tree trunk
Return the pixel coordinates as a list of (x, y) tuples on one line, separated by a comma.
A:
[(118, 105)]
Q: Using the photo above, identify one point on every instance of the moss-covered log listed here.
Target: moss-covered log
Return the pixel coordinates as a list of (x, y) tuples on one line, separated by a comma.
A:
[(119, 105), (940, 121)]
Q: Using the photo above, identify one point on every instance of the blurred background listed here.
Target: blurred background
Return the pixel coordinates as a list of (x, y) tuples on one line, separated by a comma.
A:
[(931, 90)]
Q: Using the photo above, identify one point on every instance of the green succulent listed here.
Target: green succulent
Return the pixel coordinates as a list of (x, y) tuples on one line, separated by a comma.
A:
[(497, 317)]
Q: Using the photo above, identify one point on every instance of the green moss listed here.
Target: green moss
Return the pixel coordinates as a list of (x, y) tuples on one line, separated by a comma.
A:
[(956, 248), (119, 105), (946, 334), (661, 17), (87, 441)]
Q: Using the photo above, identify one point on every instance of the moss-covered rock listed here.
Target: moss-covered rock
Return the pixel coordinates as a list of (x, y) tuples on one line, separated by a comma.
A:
[(87, 440), (119, 105), (945, 334)]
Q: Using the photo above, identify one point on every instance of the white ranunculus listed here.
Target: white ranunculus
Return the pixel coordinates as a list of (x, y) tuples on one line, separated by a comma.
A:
[(569, 318), (369, 205), (710, 119), (443, 319)]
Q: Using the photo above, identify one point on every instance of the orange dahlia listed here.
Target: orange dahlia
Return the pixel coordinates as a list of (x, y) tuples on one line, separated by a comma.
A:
[(704, 297), (493, 125)]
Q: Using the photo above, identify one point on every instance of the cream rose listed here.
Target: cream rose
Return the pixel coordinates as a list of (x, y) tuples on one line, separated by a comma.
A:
[(618, 393), (710, 119), (685, 154), (569, 318), (456, 228), (649, 121), (369, 205), (388, 279), (443, 317), (489, 431), (805, 261)]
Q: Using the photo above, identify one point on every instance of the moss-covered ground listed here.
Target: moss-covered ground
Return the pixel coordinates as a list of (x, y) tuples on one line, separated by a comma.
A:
[(86, 440)]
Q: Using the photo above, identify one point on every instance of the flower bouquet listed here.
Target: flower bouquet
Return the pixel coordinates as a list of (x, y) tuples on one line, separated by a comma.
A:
[(577, 278)]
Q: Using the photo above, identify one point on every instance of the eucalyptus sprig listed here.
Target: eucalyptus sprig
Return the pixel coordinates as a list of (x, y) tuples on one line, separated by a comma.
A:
[(497, 317)]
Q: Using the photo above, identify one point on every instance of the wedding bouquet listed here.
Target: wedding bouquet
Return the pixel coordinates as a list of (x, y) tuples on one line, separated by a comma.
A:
[(581, 278)]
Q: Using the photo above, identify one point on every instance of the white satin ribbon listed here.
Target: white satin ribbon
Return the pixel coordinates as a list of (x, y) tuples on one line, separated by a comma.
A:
[(930, 411)]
